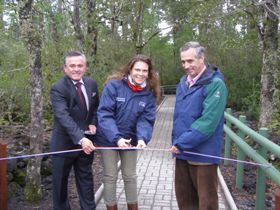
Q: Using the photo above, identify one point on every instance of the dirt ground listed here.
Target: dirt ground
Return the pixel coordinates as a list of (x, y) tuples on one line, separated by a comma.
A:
[(245, 198), (18, 203)]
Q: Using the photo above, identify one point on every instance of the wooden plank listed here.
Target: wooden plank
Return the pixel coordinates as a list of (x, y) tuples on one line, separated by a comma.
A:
[(3, 177), (277, 199)]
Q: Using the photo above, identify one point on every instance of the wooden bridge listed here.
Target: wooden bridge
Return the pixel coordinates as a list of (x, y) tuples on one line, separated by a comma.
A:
[(155, 168)]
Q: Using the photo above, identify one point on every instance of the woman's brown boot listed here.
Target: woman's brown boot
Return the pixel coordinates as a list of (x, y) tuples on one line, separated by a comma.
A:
[(132, 206), (115, 207)]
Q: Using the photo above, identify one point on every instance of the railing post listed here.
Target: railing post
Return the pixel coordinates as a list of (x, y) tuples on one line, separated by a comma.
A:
[(277, 199), (261, 178), (240, 156), (3, 177), (162, 91), (227, 140)]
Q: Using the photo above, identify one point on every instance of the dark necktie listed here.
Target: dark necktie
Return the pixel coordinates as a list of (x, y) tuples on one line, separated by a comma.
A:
[(81, 95)]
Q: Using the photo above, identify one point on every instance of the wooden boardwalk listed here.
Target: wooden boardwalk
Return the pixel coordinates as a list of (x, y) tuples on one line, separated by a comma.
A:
[(155, 169)]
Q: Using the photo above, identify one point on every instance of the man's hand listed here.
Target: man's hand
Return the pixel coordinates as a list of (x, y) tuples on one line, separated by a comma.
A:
[(87, 145), (174, 150), (92, 129), (124, 143)]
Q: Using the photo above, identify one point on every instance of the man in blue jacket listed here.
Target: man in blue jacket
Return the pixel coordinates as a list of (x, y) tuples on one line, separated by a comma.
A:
[(198, 121)]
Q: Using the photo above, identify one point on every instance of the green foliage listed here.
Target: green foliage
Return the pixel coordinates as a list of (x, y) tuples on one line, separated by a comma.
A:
[(19, 176), (32, 193), (250, 103), (14, 86), (224, 28), (277, 164), (227, 32), (274, 126), (183, 34), (161, 53), (14, 188), (239, 58)]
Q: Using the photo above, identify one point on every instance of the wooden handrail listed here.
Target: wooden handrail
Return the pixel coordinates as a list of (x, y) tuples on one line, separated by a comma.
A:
[(277, 199), (3, 177)]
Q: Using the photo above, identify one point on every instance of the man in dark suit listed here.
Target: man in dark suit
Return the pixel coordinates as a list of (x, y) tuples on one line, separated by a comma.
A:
[(74, 101)]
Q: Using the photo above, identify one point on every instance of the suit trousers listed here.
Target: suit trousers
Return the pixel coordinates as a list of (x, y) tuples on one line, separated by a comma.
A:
[(128, 160), (196, 186), (82, 164)]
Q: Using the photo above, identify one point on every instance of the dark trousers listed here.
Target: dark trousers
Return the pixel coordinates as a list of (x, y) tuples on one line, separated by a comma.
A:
[(62, 166), (196, 186)]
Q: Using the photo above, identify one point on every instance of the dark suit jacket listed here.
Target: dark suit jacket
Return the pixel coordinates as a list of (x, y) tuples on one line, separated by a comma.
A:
[(69, 122)]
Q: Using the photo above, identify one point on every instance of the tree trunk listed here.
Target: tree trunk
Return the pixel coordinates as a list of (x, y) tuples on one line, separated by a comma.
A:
[(54, 25), (138, 27), (114, 25), (268, 96), (92, 32), (76, 21), (33, 42), (1, 14), (125, 31)]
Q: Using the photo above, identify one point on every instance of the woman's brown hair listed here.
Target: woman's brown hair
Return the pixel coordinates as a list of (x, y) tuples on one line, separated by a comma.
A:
[(153, 77)]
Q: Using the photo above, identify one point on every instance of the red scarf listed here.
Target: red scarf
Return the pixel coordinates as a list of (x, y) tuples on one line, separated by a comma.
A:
[(134, 88)]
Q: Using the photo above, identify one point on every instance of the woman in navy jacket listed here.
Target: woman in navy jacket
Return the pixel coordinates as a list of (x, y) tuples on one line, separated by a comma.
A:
[(126, 116)]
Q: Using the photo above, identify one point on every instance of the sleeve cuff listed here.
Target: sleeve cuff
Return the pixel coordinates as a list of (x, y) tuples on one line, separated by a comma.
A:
[(80, 142)]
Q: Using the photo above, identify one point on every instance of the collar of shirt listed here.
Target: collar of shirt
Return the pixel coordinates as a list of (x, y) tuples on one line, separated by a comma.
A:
[(191, 81), (75, 82)]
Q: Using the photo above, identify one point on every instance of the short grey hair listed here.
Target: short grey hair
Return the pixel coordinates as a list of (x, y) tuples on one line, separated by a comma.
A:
[(73, 54), (200, 51)]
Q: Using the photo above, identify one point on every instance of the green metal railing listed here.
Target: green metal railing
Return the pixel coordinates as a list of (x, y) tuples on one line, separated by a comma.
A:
[(168, 90), (259, 155)]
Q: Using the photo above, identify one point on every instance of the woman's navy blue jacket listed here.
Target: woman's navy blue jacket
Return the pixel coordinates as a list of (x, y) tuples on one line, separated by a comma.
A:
[(123, 113)]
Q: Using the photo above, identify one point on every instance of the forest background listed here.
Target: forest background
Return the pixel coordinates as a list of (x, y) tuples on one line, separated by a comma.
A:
[(240, 36)]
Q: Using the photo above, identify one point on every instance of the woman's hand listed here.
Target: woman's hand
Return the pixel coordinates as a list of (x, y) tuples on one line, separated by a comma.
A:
[(174, 150), (124, 143), (141, 144)]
